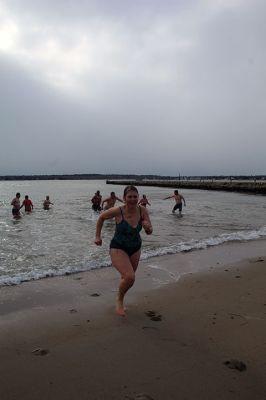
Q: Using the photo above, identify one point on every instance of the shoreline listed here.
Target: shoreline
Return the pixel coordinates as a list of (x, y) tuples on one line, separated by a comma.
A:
[(201, 245), (153, 273), (212, 305)]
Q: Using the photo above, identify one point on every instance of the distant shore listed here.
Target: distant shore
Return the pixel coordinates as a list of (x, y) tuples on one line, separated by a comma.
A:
[(94, 176), (255, 187), (246, 184), (137, 177)]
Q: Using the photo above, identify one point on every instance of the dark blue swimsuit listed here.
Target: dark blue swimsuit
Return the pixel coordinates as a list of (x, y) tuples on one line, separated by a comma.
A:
[(126, 237)]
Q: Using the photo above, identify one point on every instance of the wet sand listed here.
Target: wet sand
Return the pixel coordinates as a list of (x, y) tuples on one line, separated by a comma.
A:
[(199, 335)]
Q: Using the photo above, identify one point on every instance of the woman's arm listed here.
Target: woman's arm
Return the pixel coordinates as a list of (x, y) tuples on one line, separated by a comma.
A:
[(111, 213), (146, 222), (99, 225)]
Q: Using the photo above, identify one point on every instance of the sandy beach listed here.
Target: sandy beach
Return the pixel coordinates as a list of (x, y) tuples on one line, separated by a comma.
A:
[(195, 329)]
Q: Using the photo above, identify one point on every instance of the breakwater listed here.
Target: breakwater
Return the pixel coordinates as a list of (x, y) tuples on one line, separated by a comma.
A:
[(255, 187)]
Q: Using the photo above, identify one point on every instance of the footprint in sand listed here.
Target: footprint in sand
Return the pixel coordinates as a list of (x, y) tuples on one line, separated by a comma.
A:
[(156, 318), (150, 313), (150, 327), (236, 364), (153, 315), (40, 352), (143, 396)]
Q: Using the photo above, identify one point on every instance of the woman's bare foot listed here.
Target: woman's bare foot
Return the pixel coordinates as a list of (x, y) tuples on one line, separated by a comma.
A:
[(120, 310)]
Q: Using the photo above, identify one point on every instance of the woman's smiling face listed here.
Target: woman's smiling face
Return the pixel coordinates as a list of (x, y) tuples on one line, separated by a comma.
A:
[(131, 197)]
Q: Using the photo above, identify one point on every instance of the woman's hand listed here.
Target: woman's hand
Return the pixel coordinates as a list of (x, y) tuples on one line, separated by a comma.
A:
[(147, 227), (98, 241)]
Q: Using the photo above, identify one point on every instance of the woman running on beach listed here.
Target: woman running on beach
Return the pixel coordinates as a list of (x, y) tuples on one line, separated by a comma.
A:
[(125, 247)]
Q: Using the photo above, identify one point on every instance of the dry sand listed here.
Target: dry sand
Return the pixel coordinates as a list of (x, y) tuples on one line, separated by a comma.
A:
[(60, 338)]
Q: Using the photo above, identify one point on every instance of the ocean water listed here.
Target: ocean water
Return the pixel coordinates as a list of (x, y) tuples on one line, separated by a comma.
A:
[(61, 240)]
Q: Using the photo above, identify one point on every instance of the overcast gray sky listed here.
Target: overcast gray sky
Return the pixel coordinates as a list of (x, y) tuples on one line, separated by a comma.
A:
[(144, 86)]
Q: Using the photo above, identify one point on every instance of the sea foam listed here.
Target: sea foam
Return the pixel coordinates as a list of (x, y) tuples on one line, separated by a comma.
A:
[(239, 236)]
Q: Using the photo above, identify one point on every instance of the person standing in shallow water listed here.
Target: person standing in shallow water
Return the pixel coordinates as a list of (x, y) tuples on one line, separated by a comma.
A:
[(47, 203), (27, 203), (125, 247), (144, 201), (178, 201), (16, 206), (96, 201), (110, 201)]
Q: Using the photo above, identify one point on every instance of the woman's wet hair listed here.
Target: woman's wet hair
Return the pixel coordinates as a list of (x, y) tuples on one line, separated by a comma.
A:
[(130, 188)]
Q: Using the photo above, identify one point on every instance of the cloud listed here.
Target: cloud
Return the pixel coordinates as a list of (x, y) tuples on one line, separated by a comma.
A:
[(145, 86)]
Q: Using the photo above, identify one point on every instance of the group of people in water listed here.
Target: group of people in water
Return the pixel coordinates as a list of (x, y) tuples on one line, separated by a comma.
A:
[(98, 204), (125, 246), (27, 204)]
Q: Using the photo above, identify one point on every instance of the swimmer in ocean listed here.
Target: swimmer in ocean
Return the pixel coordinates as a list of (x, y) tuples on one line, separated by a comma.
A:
[(16, 206), (110, 201), (178, 201), (144, 201)]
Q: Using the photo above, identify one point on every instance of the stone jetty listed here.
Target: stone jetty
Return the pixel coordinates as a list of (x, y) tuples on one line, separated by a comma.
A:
[(255, 187)]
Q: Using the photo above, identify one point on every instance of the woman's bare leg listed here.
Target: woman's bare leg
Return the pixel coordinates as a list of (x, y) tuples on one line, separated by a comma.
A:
[(134, 259), (126, 266)]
